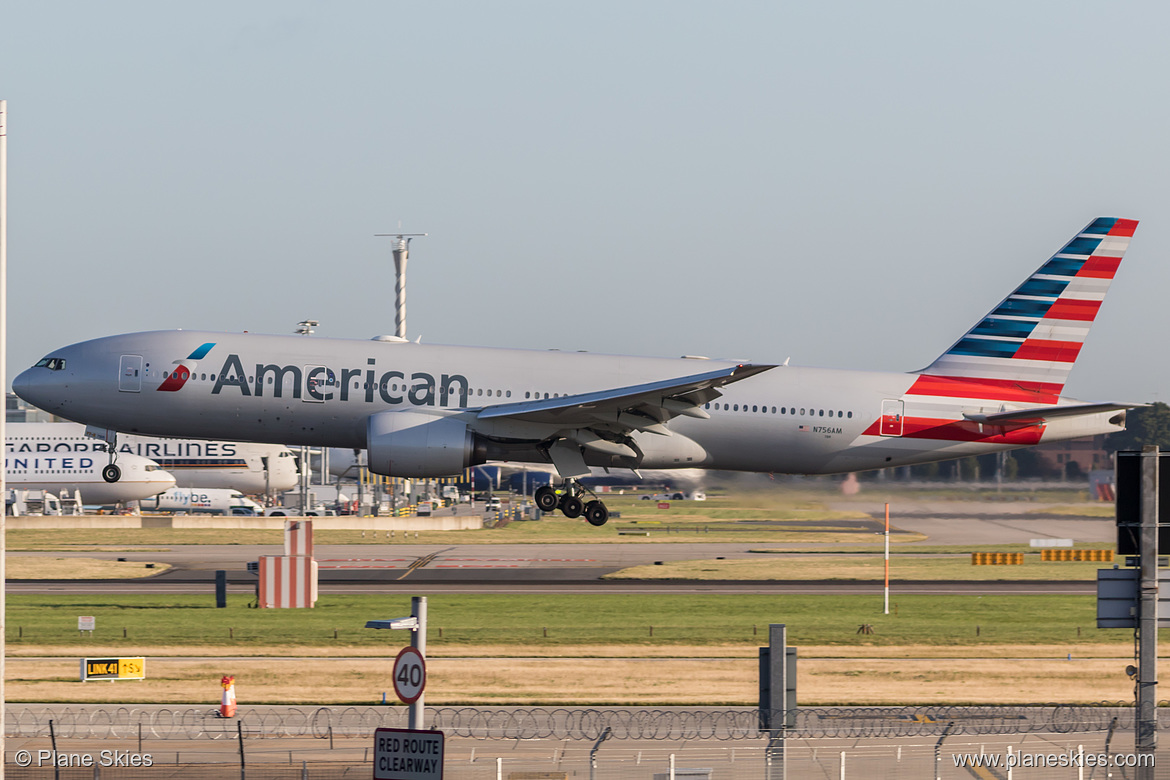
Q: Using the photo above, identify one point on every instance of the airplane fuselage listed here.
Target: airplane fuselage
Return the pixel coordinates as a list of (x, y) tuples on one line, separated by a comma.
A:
[(194, 463), (322, 392), (66, 471)]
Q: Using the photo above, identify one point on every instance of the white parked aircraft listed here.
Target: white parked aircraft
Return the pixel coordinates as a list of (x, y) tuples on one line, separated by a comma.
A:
[(56, 472), (211, 501), (423, 411), (193, 463)]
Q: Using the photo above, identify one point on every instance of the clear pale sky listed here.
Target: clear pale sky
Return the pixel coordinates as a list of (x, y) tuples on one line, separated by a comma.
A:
[(850, 185)]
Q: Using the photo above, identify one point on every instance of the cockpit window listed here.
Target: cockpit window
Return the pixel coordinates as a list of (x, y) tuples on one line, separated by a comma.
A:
[(51, 363)]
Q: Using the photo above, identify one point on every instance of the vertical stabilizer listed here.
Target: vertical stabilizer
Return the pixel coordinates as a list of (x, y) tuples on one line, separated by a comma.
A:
[(1030, 341)]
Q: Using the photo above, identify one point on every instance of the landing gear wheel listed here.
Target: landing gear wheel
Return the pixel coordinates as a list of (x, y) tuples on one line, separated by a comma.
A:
[(572, 507), (111, 473), (546, 499), (596, 513)]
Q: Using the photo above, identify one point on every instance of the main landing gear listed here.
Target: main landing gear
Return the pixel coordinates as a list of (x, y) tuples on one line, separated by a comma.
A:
[(567, 498)]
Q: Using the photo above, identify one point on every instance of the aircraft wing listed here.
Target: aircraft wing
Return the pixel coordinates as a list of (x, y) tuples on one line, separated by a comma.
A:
[(641, 407), (1041, 413)]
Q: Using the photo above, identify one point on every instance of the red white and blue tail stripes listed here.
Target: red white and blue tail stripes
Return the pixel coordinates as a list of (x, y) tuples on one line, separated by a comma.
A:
[(1026, 346)]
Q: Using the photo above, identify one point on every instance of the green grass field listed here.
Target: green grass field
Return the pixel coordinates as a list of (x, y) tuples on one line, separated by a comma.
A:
[(469, 621)]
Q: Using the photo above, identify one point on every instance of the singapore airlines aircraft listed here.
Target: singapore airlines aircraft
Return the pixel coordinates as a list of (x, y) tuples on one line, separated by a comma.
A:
[(423, 411), (58, 471), (194, 463)]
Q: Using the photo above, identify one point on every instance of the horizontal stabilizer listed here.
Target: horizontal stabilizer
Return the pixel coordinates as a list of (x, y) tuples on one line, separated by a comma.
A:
[(1042, 413)]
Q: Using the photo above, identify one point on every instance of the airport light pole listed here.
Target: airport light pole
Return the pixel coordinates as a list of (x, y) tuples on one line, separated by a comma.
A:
[(401, 254), (417, 625), (305, 328)]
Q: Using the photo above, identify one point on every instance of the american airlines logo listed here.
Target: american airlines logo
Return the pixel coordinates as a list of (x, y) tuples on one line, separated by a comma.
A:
[(321, 383), (181, 374)]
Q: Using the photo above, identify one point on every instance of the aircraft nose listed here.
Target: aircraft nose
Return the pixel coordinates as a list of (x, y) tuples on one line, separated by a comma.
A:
[(28, 386)]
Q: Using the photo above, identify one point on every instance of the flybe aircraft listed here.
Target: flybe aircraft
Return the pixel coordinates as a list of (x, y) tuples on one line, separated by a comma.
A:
[(193, 463), (59, 471), (425, 411)]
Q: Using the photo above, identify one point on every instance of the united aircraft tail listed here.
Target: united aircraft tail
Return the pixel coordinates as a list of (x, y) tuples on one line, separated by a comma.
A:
[(1024, 348)]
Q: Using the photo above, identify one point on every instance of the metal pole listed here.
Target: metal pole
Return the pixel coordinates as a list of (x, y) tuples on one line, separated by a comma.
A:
[(593, 753), (887, 600), (777, 759), (240, 737), (418, 640), (401, 255), (53, 742), (938, 751), (1146, 716), (4, 384)]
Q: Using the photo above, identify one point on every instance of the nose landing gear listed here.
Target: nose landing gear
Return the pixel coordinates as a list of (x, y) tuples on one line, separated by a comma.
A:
[(111, 472), (567, 498)]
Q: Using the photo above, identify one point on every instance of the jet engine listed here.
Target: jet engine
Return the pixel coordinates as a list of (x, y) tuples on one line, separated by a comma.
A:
[(417, 444)]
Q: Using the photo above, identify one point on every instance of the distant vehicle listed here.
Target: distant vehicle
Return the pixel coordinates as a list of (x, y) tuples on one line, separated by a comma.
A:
[(194, 463), (292, 511), (493, 505), (213, 501), (698, 495), (59, 471), (23, 503)]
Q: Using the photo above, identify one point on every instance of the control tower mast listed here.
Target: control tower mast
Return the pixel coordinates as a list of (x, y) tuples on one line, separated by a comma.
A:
[(401, 254)]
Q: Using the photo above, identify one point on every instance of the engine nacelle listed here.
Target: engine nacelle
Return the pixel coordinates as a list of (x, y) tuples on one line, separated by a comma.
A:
[(416, 444), (669, 452)]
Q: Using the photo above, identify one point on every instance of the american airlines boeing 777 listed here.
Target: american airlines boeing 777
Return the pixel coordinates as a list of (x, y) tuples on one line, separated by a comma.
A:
[(428, 411)]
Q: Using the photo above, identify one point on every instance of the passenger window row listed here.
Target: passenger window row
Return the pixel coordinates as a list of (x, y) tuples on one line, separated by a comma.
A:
[(801, 412)]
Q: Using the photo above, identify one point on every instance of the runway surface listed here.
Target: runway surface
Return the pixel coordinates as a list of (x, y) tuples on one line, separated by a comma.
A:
[(578, 568)]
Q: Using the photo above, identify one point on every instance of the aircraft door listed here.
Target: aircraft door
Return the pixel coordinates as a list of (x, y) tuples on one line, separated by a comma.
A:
[(892, 417), (319, 384), (130, 374)]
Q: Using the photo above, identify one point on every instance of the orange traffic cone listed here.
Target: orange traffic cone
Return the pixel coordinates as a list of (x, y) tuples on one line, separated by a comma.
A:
[(227, 707)]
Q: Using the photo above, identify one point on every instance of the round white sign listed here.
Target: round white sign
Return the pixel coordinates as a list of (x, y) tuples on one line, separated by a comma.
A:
[(410, 675)]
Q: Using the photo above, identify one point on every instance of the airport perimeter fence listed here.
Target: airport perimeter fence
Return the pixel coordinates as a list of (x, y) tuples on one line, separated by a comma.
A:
[(528, 723), (910, 761), (513, 743)]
